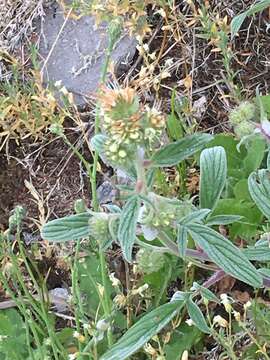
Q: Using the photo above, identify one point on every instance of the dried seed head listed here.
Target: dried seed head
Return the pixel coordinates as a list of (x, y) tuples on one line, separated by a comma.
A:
[(219, 320), (120, 300)]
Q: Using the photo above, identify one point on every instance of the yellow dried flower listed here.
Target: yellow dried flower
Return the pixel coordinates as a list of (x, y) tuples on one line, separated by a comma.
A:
[(120, 300), (220, 321)]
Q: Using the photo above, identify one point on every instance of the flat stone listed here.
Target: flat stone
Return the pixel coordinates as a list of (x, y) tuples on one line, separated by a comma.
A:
[(79, 52)]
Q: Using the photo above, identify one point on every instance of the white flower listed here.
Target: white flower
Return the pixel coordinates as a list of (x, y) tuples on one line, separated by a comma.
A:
[(189, 322), (115, 282), (185, 355), (226, 302), (76, 334), (247, 305), (72, 356)]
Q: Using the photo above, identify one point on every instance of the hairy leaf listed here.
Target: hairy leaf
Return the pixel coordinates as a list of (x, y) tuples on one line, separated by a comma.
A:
[(195, 216), (197, 317), (258, 252), (259, 188), (180, 150), (223, 219), (127, 226), (206, 293), (141, 332), (97, 142), (213, 165), (72, 227), (182, 239), (226, 255)]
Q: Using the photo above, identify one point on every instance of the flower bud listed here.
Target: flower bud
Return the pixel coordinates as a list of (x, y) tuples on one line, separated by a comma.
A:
[(245, 128), (149, 261), (244, 112), (99, 227)]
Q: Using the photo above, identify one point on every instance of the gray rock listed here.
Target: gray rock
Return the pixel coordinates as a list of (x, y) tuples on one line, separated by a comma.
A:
[(106, 193), (79, 53), (59, 297)]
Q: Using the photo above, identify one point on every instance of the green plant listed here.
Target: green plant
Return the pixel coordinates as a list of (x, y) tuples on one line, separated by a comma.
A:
[(129, 142), (216, 31)]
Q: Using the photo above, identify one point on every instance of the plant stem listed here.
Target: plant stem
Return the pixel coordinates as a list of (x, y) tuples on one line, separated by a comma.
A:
[(102, 260), (106, 303)]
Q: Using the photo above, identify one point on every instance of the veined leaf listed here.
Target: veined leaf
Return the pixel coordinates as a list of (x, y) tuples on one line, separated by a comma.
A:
[(197, 317), (259, 188), (265, 272), (258, 253), (195, 216), (140, 333), (127, 226), (213, 165), (182, 239), (225, 254), (72, 227), (180, 150), (223, 219), (239, 19), (206, 293)]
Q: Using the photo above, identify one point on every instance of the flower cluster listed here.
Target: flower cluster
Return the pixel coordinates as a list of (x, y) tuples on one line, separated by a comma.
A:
[(241, 119), (149, 261), (127, 124), (162, 213)]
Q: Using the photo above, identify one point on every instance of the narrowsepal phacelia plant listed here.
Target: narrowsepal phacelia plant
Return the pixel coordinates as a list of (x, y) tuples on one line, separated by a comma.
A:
[(130, 140)]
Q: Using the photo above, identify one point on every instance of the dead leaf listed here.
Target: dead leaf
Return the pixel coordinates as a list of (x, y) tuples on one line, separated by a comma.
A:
[(241, 296)]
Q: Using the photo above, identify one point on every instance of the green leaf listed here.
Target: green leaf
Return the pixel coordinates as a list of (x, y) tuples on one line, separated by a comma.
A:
[(223, 219), (255, 155), (180, 150), (183, 338), (127, 226), (197, 317), (213, 165), (239, 19), (13, 344), (207, 294), (226, 255), (265, 99), (234, 157), (259, 188), (251, 221), (72, 227), (141, 332), (89, 275), (97, 142), (265, 272), (195, 216), (240, 190), (258, 252), (182, 239), (174, 127)]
